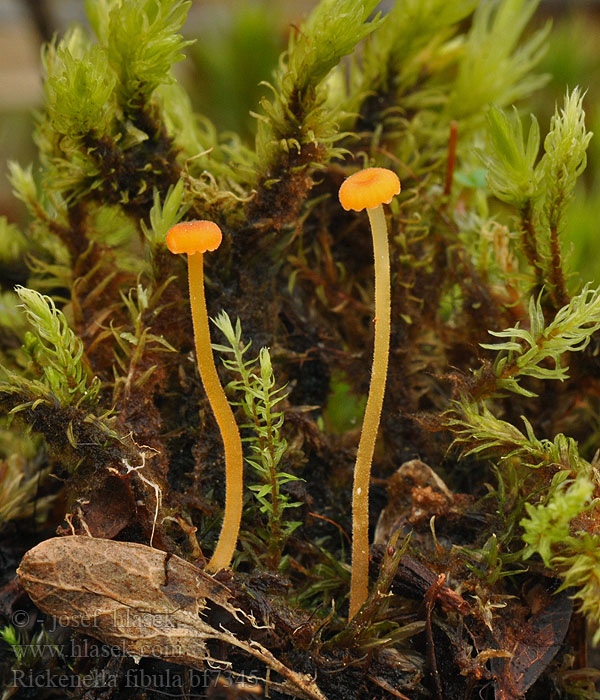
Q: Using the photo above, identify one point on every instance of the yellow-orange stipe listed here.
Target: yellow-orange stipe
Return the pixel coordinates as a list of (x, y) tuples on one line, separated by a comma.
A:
[(369, 189), (195, 238)]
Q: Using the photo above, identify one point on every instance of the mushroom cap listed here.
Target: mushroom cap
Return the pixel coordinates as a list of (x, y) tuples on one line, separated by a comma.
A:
[(194, 237), (369, 188)]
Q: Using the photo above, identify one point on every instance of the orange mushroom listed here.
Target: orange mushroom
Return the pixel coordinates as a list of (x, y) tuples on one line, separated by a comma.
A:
[(195, 238), (369, 189)]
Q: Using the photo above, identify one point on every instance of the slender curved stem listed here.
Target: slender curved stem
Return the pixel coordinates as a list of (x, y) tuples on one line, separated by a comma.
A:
[(234, 465), (359, 586)]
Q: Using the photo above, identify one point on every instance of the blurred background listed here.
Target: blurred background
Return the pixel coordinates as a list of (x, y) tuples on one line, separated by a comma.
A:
[(239, 44)]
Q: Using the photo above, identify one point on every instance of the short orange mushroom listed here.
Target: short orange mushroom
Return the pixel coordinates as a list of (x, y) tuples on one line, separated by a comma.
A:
[(195, 238), (369, 189)]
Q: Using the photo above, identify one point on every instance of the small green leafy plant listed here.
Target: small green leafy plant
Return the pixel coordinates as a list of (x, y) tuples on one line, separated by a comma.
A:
[(259, 398), (30, 651)]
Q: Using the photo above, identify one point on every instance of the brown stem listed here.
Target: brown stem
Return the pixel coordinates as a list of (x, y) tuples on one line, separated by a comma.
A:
[(559, 293), (429, 600), (529, 236)]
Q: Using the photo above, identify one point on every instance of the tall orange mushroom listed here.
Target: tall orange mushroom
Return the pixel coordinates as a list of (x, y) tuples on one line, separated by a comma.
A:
[(195, 238), (369, 189)]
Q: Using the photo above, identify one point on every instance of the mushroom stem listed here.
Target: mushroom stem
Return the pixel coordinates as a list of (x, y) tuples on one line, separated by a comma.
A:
[(359, 585), (234, 466)]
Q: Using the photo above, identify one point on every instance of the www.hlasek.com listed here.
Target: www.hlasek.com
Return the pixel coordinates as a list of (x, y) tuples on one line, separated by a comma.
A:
[(85, 648)]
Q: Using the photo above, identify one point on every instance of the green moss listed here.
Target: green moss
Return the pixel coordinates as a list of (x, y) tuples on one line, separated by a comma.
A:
[(99, 388)]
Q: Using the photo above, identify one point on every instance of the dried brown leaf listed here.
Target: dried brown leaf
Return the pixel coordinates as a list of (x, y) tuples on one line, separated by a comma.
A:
[(140, 600)]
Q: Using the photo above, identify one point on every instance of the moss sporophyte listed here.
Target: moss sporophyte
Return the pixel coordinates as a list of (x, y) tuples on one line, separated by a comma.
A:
[(195, 238), (369, 189)]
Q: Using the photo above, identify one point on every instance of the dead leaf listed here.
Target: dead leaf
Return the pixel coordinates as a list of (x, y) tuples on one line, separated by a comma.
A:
[(140, 600), (532, 645)]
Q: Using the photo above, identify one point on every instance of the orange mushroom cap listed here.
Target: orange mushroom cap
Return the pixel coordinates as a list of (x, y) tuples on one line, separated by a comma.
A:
[(369, 188), (194, 237)]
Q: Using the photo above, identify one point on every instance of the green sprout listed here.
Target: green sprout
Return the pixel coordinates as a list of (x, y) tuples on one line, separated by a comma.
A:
[(260, 396)]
